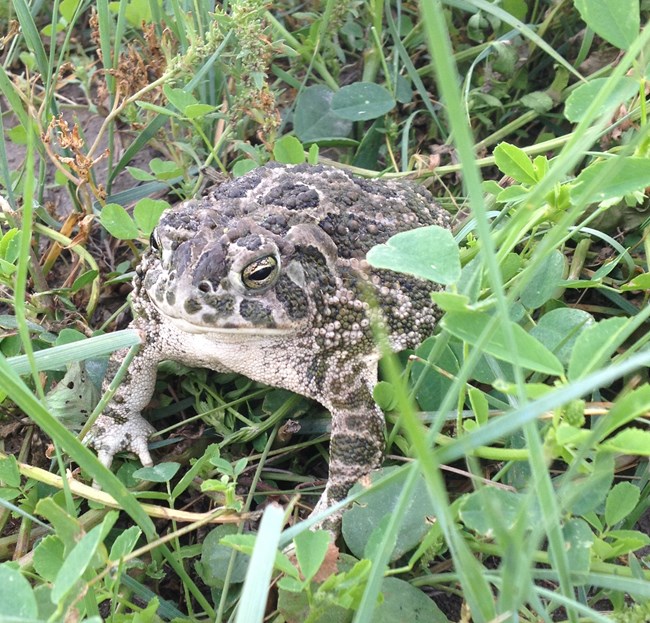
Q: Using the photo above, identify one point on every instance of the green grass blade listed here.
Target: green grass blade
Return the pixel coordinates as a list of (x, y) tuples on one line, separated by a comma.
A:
[(32, 37), (57, 357), (252, 604)]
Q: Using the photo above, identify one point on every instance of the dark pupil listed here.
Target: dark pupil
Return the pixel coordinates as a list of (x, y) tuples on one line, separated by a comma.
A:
[(153, 241), (259, 274)]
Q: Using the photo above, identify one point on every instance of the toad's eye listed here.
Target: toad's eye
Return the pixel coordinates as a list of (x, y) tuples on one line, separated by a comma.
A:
[(154, 241), (260, 273)]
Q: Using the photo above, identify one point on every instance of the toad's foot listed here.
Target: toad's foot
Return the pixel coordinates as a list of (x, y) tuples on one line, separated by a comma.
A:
[(109, 436)]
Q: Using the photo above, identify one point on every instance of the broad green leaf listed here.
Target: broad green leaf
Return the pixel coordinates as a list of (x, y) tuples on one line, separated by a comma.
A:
[(529, 353), (539, 101), (506, 507), (626, 541), (67, 8), (579, 101), (361, 519), (616, 21), (361, 101), (117, 222), (245, 543), (433, 386), (405, 602), (137, 11), (558, 330), (450, 301), (543, 283), (291, 584), (384, 395), (16, 595), (595, 345), (73, 398), (140, 174), (289, 150), (632, 176), (510, 266), (215, 558), (513, 194), (195, 111), (479, 404), (629, 441), (514, 162), (67, 527), (586, 492), (516, 8), (626, 408), (10, 245), (568, 435), (9, 473), (311, 548), (125, 542), (578, 539), (147, 212), (313, 119), (427, 252), (161, 472), (241, 167), (179, 98), (165, 169), (640, 282), (621, 501), (17, 135), (76, 563), (48, 557)]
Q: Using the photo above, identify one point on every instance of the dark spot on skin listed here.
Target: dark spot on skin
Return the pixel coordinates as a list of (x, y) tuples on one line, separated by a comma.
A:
[(209, 319), (159, 292), (275, 223), (293, 298), (256, 313), (291, 195), (239, 188), (221, 306), (192, 306), (171, 297), (71, 385), (250, 242)]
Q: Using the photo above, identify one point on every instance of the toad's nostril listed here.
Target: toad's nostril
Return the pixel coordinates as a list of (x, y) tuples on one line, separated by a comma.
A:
[(205, 287)]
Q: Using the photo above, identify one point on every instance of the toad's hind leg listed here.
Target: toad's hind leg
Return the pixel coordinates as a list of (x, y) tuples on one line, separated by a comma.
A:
[(356, 448)]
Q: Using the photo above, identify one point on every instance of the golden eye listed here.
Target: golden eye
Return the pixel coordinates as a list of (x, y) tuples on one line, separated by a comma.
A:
[(260, 273)]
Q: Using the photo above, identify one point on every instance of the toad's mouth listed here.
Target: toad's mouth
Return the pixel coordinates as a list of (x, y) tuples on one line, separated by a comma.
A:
[(227, 329)]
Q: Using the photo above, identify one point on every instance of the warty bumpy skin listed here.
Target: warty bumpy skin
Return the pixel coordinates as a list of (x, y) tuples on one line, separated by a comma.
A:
[(266, 276)]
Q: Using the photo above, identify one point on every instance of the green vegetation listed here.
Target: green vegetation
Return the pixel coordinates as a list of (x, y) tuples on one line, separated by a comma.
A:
[(528, 120)]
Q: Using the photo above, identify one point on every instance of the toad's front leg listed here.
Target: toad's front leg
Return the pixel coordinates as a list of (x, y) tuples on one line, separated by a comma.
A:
[(356, 448), (121, 425)]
